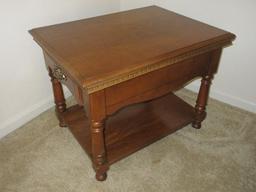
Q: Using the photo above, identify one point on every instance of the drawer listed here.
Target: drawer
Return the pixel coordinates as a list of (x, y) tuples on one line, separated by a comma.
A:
[(173, 77), (64, 78)]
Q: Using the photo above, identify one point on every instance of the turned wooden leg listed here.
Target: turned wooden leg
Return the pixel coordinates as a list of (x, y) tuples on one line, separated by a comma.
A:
[(96, 112), (59, 99), (98, 150), (200, 113)]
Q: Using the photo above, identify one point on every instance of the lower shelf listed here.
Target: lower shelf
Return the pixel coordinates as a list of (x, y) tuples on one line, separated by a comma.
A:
[(133, 127)]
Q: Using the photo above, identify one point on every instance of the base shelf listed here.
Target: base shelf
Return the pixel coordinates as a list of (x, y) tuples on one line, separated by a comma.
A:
[(133, 127)]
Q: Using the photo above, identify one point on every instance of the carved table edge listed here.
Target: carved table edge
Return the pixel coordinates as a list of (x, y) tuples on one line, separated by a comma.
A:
[(94, 87)]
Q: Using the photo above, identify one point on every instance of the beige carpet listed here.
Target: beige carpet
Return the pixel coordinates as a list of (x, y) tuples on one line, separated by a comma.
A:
[(220, 157)]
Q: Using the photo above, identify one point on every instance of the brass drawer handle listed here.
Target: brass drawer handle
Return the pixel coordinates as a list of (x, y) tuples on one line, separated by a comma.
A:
[(59, 74)]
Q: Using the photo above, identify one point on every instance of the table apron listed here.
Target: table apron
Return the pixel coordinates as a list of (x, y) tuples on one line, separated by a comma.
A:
[(156, 83)]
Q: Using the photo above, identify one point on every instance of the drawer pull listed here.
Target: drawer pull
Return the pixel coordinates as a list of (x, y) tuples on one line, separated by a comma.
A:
[(59, 74)]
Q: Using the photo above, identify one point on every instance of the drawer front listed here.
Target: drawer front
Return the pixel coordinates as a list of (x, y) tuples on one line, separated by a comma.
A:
[(63, 77), (173, 76)]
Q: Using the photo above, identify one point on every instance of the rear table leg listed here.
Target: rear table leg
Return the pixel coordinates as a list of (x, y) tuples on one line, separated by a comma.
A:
[(59, 99), (200, 113)]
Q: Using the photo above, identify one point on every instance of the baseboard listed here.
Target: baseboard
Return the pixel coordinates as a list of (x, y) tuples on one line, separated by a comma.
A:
[(22, 118), (225, 98)]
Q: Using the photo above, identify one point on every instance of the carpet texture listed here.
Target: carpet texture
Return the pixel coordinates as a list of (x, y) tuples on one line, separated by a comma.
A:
[(42, 157)]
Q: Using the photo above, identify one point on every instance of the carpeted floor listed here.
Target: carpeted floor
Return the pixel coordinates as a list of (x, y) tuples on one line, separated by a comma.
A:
[(41, 157)]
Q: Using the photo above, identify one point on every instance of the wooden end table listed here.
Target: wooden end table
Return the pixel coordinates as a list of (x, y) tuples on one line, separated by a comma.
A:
[(122, 69)]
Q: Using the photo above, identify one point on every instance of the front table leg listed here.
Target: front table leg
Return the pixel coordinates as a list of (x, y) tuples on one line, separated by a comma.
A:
[(98, 150), (59, 99), (96, 113), (200, 113)]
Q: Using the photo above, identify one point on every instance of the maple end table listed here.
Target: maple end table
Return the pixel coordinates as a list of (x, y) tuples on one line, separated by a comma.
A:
[(122, 69)]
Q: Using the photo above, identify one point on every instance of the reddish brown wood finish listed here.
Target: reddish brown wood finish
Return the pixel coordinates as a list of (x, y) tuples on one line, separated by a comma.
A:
[(59, 99), (201, 102), (122, 69), (149, 120), (96, 112), (68, 81), (200, 113), (98, 48), (156, 83)]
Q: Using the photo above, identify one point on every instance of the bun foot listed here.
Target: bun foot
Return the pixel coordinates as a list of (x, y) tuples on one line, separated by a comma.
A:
[(101, 176), (62, 124), (61, 121), (196, 125)]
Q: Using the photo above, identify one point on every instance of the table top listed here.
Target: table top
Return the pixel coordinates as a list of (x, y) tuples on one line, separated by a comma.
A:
[(119, 46)]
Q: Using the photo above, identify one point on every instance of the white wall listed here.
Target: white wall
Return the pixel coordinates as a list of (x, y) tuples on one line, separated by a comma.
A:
[(24, 84), (236, 78)]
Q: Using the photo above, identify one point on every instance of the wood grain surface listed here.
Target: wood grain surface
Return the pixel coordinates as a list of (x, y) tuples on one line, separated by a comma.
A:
[(112, 47)]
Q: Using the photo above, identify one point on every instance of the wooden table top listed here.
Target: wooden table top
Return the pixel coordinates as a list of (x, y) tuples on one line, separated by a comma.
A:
[(104, 50)]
